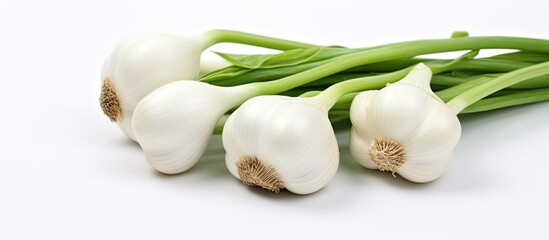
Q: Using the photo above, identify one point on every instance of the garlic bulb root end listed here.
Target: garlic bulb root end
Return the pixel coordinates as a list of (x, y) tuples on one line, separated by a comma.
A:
[(387, 154), (254, 172), (109, 101)]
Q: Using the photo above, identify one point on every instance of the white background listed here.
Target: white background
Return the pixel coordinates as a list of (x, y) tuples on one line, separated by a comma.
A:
[(66, 172)]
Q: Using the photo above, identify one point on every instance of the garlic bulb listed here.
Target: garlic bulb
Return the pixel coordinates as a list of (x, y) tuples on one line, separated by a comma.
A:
[(173, 124), (404, 128), (278, 142), (138, 65)]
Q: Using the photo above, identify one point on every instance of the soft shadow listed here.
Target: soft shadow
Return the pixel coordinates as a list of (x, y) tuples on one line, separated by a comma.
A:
[(283, 195), (167, 176), (211, 165), (398, 181), (451, 180), (127, 143)]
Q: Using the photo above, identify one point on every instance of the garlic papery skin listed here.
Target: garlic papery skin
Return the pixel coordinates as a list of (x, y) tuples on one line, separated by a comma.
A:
[(140, 64), (173, 124), (278, 142), (404, 128)]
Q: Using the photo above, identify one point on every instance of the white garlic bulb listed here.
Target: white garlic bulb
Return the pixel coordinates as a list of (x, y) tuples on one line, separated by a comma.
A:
[(404, 128), (278, 142), (173, 124), (138, 65)]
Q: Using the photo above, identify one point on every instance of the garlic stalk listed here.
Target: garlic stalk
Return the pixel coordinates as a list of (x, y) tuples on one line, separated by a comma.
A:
[(405, 128), (509, 100), (465, 99), (162, 150), (140, 64)]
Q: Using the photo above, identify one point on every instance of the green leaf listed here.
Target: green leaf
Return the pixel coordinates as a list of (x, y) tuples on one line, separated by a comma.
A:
[(460, 34), (283, 59), (256, 68), (523, 57), (234, 75), (224, 73)]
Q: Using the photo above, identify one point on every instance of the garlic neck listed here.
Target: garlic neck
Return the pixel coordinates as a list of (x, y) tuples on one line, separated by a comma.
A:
[(387, 154), (254, 172), (109, 101)]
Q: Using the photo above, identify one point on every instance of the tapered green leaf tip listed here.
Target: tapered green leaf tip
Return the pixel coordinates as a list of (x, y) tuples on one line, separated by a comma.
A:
[(460, 34)]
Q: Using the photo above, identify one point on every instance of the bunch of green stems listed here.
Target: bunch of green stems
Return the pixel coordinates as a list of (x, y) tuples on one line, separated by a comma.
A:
[(461, 75)]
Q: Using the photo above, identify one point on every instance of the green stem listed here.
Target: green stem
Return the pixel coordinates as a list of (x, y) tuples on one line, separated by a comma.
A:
[(528, 57), (397, 51), (261, 75), (219, 35), (220, 123), (466, 84), (327, 98), (310, 94), (451, 92), (477, 93), (474, 65), (450, 80), (514, 99), (337, 78)]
